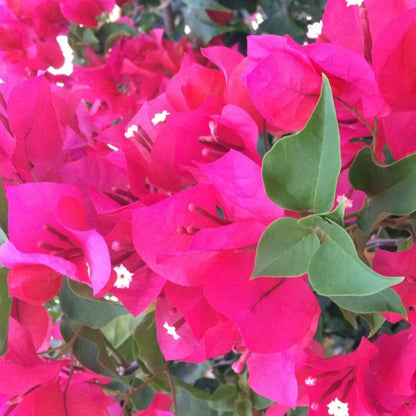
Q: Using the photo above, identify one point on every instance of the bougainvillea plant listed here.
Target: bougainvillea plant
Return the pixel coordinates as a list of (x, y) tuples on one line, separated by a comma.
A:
[(209, 209)]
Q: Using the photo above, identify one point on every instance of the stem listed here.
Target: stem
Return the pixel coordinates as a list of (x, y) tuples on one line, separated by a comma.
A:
[(114, 351), (375, 137), (381, 242), (71, 373), (143, 385), (70, 343), (172, 390), (360, 117)]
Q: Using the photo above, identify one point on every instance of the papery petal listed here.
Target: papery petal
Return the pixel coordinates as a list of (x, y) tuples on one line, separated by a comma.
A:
[(263, 308)]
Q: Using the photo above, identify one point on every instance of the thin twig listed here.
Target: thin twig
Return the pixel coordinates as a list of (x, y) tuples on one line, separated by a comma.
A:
[(172, 389), (127, 396)]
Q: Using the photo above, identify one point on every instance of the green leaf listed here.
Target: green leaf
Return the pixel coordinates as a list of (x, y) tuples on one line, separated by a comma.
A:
[(89, 311), (279, 20), (260, 402), (285, 249), (89, 347), (206, 4), (147, 348), (386, 300), (375, 320), (108, 33), (5, 305), (243, 405), (300, 172), (299, 411), (189, 404), (336, 216), (120, 329), (390, 189), (336, 270), (249, 5), (202, 27), (223, 398)]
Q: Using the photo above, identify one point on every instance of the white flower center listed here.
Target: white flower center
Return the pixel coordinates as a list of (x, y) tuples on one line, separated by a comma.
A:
[(310, 381), (131, 131), (314, 30), (338, 408), (124, 277), (160, 117), (354, 2), (171, 330), (348, 202)]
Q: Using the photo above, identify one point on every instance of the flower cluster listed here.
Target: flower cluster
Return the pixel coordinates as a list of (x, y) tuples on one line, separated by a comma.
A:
[(137, 181)]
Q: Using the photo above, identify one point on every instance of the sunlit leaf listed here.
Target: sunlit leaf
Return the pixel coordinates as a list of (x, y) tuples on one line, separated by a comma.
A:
[(285, 249), (336, 270), (301, 171)]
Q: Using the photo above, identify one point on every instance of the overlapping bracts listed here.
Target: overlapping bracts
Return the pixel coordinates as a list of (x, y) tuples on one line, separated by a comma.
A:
[(147, 158)]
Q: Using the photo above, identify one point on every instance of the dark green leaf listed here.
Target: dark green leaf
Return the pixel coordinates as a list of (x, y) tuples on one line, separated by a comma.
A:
[(223, 398), (260, 402), (202, 27), (386, 300), (375, 321), (243, 405), (249, 5), (189, 404), (336, 270), (278, 20), (206, 4), (189, 372), (390, 189), (89, 347), (5, 305), (301, 171), (285, 249), (89, 311), (108, 33)]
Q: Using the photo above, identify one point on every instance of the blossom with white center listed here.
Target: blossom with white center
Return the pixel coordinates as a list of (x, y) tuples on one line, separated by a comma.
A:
[(314, 30), (124, 277), (131, 131), (354, 2), (338, 408), (171, 330), (310, 381), (160, 117), (348, 202)]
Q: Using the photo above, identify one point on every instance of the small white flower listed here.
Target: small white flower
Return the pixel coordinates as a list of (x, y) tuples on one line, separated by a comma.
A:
[(314, 30), (310, 381), (348, 202), (338, 408), (171, 330), (160, 117), (131, 131), (354, 2), (124, 277)]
